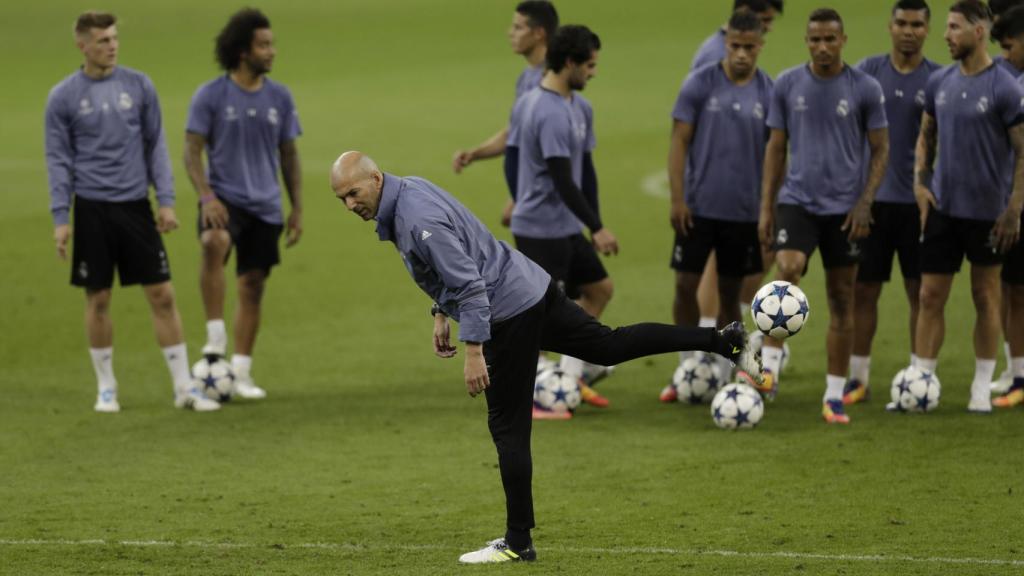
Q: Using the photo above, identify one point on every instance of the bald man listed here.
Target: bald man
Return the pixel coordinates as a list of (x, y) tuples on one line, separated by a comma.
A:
[(508, 309)]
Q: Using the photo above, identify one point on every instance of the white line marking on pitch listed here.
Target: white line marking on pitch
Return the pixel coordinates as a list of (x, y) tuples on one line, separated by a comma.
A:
[(562, 549)]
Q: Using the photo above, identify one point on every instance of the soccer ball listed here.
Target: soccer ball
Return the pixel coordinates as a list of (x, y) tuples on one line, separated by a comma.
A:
[(737, 406), (214, 378), (556, 392), (756, 339), (915, 390), (779, 309), (697, 379)]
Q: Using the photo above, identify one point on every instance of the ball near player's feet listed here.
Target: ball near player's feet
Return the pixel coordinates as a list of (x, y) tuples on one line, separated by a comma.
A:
[(779, 309)]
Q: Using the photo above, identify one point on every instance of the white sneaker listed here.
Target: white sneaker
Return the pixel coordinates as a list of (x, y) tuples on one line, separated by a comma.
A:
[(249, 390), (212, 349), (195, 400), (106, 402), (980, 406), (1002, 386), (497, 551)]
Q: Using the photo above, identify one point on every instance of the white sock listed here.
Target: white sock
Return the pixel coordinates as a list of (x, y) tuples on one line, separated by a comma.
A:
[(1018, 366), (913, 359), (771, 359), (572, 367), (241, 366), (834, 387), (216, 334), (103, 364), (1008, 355), (860, 368), (177, 364), (984, 369), (928, 364), (708, 322)]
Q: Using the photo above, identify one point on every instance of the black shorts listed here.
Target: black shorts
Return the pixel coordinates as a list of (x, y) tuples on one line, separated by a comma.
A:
[(256, 240), (947, 239), (737, 248), (571, 261), (896, 230), (1013, 264), (120, 235), (798, 229)]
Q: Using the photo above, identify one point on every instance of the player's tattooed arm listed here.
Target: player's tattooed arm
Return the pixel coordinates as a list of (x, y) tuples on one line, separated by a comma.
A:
[(771, 182), (292, 172), (679, 215), (924, 161), (858, 221), (1006, 231)]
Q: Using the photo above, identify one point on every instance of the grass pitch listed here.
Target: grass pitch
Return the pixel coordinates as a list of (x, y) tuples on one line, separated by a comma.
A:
[(368, 457)]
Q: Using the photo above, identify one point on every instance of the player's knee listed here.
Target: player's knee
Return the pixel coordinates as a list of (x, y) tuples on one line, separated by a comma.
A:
[(251, 286), (98, 302), (215, 243), (687, 283), (790, 269), (985, 297), (161, 298), (930, 298)]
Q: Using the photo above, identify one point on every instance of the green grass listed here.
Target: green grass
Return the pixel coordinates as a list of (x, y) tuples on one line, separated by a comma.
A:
[(368, 445)]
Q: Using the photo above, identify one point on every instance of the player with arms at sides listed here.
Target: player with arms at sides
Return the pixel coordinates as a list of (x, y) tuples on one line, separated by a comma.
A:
[(533, 25), (508, 309), (903, 74), (969, 185), (104, 148), (832, 118), (247, 124), (1008, 31), (556, 136), (715, 161)]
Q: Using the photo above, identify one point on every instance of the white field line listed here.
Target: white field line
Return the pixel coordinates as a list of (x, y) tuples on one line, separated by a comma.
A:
[(624, 551)]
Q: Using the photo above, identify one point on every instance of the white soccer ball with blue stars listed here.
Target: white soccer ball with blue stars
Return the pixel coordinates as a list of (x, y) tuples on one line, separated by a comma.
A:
[(697, 379), (915, 390), (779, 309), (737, 407), (214, 378), (556, 392)]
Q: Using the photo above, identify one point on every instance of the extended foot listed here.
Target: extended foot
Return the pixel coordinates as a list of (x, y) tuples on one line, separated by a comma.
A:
[(740, 352), (249, 390), (768, 386), (498, 551), (834, 413), (1002, 386), (592, 397), (980, 406), (195, 400), (594, 373), (855, 391), (1013, 396)]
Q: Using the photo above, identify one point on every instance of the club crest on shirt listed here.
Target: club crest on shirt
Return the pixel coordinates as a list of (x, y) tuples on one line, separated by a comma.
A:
[(272, 116), (843, 108), (801, 104), (919, 99), (758, 111), (940, 100), (124, 101), (982, 105), (230, 114)]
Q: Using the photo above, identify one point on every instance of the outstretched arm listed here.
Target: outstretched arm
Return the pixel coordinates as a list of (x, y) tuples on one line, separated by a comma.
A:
[(493, 146)]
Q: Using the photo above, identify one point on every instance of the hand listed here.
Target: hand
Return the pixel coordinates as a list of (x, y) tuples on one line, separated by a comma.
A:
[(60, 236), (214, 214), (294, 227), (681, 217), (442, 337), (766, 228), (1006, 231), (925, 202), (506, 213), (605, 242), (858, 222), (476, 370), (461, 160), (166, 219)]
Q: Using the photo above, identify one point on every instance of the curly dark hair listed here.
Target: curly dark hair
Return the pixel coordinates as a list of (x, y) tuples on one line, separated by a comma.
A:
[(571, 42), (236, 37)]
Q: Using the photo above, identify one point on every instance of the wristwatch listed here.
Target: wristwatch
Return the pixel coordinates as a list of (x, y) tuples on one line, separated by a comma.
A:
[(436, 309)]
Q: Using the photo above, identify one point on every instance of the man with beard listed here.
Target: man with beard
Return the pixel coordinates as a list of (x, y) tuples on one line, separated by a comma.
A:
[(972, 134), (903, 74), (247, 123), (830, 115)]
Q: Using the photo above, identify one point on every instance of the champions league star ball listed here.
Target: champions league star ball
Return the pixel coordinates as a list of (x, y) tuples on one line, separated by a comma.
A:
[(737, 406), (556, 392), (756, 339), (915, 390), (779, 309), (697, 379), (214, 378)]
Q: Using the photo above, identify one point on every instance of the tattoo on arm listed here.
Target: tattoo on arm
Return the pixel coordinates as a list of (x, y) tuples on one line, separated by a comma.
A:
[(879, 143), (1017, 141), (927, 145)]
